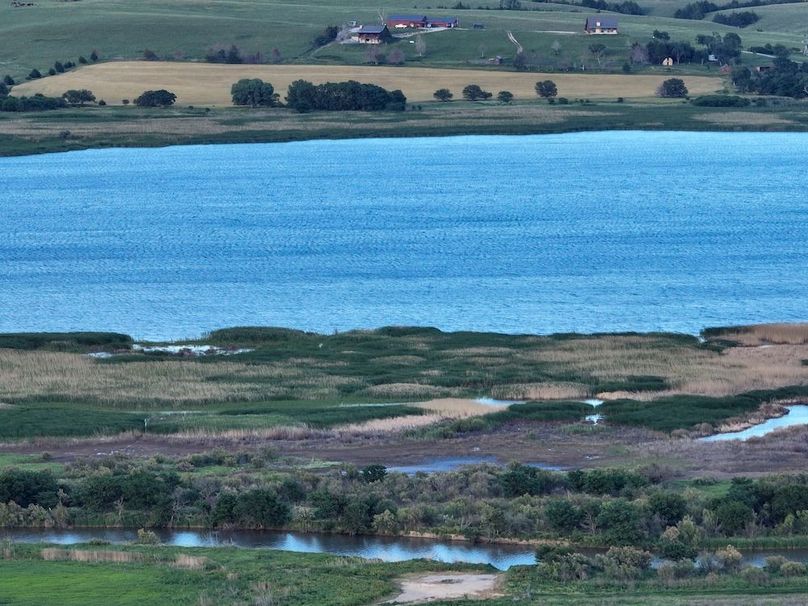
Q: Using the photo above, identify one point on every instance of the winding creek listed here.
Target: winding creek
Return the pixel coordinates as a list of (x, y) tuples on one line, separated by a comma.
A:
[(797, 415)]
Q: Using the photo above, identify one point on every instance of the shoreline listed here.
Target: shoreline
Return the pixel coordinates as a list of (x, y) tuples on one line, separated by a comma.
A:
[(30, 134), (766, 543)]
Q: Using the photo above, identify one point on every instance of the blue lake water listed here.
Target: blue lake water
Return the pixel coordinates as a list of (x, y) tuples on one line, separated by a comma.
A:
[(581, 232)]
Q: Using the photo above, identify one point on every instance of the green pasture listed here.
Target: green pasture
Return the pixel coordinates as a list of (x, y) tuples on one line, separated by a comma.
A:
[(228, 576), (253, 576), (51, 30)]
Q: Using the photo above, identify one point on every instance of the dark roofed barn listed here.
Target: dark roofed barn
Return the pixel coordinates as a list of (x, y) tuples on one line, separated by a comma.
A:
[(601, 25), (372, 34)]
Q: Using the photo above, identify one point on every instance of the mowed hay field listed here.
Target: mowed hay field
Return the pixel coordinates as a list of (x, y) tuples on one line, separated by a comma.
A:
[(209, 84)]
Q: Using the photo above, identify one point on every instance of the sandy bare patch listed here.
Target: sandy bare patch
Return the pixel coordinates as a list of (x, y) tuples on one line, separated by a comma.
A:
[(209, 84), (445, 586), (438, 409), (743, 119)]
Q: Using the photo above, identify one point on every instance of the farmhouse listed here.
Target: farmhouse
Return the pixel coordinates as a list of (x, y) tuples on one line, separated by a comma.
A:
[(372, 34), (407, 21), (444, 22), (601, 25)]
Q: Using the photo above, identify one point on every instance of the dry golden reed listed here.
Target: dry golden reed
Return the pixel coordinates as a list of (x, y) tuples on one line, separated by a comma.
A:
[(189, 562), (80, 555)]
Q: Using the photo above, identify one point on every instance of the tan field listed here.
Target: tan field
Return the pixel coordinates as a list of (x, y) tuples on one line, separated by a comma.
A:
[(209, 84)]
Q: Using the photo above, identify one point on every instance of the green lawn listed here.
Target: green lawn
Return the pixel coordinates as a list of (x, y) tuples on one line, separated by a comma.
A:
[(229, 576), (29, 463), (253, 577)]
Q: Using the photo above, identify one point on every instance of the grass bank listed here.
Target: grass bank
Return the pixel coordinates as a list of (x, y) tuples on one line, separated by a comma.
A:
[(104, 127)]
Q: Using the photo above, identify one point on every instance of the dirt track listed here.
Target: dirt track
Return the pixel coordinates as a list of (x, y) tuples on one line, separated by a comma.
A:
[(444, 586)]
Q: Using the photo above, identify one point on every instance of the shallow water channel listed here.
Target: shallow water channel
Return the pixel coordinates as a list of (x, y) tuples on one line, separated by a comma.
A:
[(387, 549), (797, 415), (454, 463)]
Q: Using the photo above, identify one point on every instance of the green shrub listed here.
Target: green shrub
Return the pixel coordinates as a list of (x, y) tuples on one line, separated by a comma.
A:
[(521, 480), (28, 487), (65, 341), (720, 101), (792, 569), (147, 537)]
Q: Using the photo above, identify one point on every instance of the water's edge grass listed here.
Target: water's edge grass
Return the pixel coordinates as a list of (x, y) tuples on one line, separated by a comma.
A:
[(38, 133)]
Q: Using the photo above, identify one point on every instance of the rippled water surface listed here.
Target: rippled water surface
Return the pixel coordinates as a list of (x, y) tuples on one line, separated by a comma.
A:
[(577, 232)]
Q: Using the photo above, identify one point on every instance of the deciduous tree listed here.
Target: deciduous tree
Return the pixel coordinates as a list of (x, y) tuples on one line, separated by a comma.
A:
[(156, 98), (253, 92), (546, 89), (473, 92)]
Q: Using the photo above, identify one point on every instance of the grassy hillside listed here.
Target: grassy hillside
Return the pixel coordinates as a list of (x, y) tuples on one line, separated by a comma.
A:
[(783, 18), (36, 36)]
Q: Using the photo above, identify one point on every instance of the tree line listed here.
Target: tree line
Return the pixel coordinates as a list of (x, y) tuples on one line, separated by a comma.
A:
[(304, 96), (76, 98), (785, 78), (616, 507)]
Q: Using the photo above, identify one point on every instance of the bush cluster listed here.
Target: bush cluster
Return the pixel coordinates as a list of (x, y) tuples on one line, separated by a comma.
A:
[(303, 96)]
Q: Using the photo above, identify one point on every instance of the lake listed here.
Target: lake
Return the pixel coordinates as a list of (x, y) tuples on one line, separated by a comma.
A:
[(607, 231)]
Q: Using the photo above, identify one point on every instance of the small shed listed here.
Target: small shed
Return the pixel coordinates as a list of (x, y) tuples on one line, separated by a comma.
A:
[(601, 25), (667, 62), (372, 34), (408, 21)]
